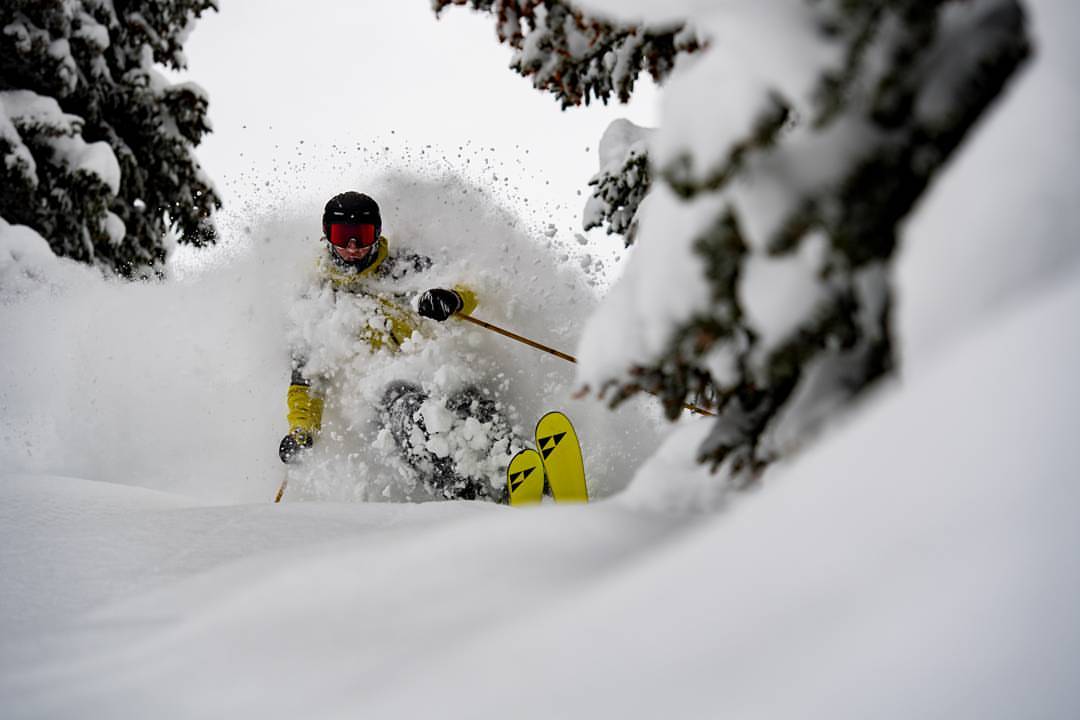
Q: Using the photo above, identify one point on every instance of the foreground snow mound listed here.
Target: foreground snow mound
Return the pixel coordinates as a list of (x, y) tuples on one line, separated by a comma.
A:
[(918, 563)]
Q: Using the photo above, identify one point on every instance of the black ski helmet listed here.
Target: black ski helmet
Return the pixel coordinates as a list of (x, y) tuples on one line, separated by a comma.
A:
[(353, 208)]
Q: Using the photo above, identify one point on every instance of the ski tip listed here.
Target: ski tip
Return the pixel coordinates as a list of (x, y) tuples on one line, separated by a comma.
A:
[(525, 479), (560, 450), (551, 414)]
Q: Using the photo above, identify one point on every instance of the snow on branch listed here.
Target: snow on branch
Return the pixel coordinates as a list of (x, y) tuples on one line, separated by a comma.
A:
[(622, 182), (578, 57)]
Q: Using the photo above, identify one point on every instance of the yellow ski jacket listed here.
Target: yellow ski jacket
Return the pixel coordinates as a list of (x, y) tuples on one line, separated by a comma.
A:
[(304, 403)]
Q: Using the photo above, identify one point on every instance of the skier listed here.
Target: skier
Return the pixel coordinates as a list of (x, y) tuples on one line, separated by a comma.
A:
[(358, 257)]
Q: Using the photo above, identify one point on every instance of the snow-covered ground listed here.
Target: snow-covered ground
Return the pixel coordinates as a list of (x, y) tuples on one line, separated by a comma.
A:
[(919, 561)]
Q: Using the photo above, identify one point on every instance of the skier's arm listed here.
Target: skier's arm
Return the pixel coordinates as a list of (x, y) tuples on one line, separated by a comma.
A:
[(440, 303), (305, 414)]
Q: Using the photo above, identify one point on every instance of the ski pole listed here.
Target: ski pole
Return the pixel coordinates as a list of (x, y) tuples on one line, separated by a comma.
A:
[(557, 353), (519, 338), (281, 490)]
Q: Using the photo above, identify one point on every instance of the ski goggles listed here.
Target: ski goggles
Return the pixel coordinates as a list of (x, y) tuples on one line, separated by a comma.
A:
[(342, 234)]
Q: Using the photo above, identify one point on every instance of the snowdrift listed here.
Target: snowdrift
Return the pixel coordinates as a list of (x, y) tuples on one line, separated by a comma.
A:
[(916, 564)]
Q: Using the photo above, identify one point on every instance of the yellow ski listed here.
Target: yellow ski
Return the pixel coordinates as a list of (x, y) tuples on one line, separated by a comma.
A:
[(525, 478), (561, 453)]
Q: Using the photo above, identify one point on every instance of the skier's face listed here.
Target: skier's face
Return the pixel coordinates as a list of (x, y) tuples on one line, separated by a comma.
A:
[(353, 242), (353, 252)]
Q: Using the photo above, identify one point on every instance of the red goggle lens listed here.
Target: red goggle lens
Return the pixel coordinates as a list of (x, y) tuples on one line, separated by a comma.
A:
[(341, 235)]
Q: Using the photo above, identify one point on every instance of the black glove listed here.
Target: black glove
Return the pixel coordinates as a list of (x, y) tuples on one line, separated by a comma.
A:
[(293, 443), (439, 304)]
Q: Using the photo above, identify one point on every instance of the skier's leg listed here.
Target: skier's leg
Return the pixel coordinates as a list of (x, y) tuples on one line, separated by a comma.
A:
[(400, 403), (470, 402), (401, 415), (401, 411)]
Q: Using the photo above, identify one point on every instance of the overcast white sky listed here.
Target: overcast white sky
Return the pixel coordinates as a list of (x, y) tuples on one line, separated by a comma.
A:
[(367, 74)]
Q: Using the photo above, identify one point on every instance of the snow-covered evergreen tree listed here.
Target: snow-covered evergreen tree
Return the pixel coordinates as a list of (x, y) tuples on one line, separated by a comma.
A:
[(622, 182), (789, 154), (578, 57), (97, 146)]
